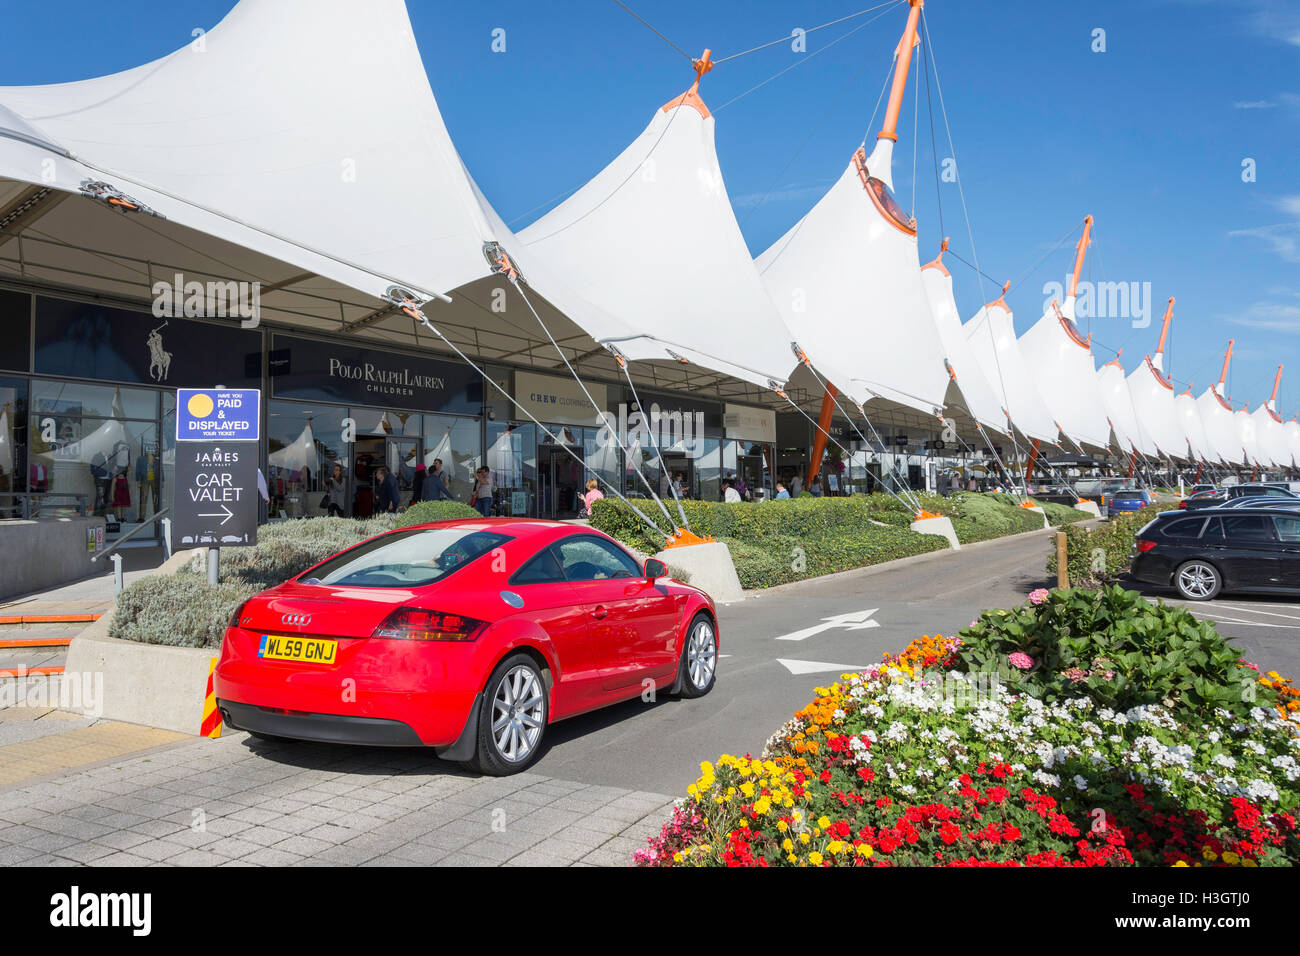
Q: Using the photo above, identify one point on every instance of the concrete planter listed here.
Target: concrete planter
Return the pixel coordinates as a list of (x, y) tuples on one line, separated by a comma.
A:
[(150, 684), (1089, 506)]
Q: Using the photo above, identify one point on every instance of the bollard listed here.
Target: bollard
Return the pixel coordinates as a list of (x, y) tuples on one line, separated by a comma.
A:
[(214, 566), (1062, 568), (167, 534), (117, 573)]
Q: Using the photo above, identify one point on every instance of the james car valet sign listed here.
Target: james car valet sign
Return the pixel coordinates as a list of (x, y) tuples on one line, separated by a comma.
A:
[(217, 435)]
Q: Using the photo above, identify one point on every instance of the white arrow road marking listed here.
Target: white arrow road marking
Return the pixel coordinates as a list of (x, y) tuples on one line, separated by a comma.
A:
[(229, 514), (852, 621), (817, 667)]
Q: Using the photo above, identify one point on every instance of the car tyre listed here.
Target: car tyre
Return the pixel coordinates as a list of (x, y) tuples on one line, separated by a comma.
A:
[(698, 669), (1198, 580), (512, 718)]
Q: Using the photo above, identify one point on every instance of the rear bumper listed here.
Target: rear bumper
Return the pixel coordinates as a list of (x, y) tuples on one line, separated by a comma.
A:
[(326, 728), (388, 693)]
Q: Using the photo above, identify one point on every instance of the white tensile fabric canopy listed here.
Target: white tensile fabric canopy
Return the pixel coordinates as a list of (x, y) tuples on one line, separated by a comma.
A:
[(1063, 368), (652, 238), (1220, 427), (1115, 398), (302, 129), (1153, 404), (1270, 437), (846, 279), (991, 335), (977, 392), (1189, 415), (1246, 434), (1292, 431)]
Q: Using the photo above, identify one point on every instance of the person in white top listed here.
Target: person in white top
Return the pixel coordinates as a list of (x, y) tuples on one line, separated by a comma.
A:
[(729, 493)]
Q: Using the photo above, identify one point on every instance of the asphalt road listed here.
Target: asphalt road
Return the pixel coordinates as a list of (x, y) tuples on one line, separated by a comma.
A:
[(763, 678)]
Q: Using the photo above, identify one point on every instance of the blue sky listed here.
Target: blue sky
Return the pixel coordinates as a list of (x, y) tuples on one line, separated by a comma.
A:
[(1149, 136)]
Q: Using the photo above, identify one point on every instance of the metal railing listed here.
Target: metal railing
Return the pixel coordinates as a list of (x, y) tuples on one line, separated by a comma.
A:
[(110, 551), (27, 499)]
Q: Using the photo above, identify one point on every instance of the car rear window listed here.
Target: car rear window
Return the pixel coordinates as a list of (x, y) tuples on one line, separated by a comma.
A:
[(1183, 528), (406, 559)]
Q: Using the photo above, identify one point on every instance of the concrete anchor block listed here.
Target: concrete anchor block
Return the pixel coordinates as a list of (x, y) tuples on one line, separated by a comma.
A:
[(1088, 506), (710, 567), (939, 525)]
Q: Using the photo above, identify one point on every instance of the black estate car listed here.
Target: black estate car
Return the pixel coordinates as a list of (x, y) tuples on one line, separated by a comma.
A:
[(1212, 550)]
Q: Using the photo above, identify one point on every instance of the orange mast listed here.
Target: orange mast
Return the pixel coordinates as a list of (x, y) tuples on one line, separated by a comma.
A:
[(1079, 252), (1271, 404), (1158, 359), (1223, 376), (904, 64)]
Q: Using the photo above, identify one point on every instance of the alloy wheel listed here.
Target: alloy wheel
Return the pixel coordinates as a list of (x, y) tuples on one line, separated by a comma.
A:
[(518, 710), (1197, 580), (701, 655)]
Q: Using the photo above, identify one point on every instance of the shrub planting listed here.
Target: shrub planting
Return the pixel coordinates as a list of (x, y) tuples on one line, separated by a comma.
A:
[(919, 762)]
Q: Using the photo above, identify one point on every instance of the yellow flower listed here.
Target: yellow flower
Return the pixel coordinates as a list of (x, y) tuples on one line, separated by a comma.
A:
[(782, 825), (823, 822), (804, 838), (787, 844), (865, 850), (1231, 858), (815, 858)]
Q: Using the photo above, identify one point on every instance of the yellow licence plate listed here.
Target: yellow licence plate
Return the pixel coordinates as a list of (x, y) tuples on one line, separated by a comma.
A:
[(281, 648)]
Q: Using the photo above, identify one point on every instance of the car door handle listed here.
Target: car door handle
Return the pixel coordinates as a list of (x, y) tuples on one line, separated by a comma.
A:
[(600, 613)]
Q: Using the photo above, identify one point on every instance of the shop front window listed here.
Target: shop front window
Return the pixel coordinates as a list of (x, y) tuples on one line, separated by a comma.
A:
[(307, 461), (458, 444), (98, 445), (511, 459), (13, 444)]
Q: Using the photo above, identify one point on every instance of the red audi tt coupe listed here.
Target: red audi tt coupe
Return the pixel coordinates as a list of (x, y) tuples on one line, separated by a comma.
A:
[(468, 636)]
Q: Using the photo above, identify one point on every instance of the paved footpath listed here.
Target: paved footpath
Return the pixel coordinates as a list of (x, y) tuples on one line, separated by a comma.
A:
[(243, 802)]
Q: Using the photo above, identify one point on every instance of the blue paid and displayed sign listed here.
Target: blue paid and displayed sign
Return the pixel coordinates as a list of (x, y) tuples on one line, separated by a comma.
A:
[(215, 503), (218, 414)]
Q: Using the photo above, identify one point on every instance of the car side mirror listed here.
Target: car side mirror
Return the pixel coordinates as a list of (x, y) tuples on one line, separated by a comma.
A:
[(655, 569)]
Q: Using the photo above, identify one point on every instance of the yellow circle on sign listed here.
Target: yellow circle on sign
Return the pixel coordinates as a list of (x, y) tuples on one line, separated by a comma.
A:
[(200, 406)]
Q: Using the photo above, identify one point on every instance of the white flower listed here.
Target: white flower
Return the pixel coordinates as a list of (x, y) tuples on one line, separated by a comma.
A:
[(1080, 782)]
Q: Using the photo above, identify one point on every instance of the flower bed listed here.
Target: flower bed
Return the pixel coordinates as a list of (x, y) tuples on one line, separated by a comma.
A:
[(930, 759)]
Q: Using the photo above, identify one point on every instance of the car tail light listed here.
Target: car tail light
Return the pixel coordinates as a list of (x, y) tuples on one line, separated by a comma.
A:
[(417, 624), (1143, 545), (238, 613), (1182, 504)]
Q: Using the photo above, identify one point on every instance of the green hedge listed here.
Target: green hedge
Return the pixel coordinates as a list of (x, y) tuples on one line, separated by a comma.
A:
[(427, 511), (777, 542)]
